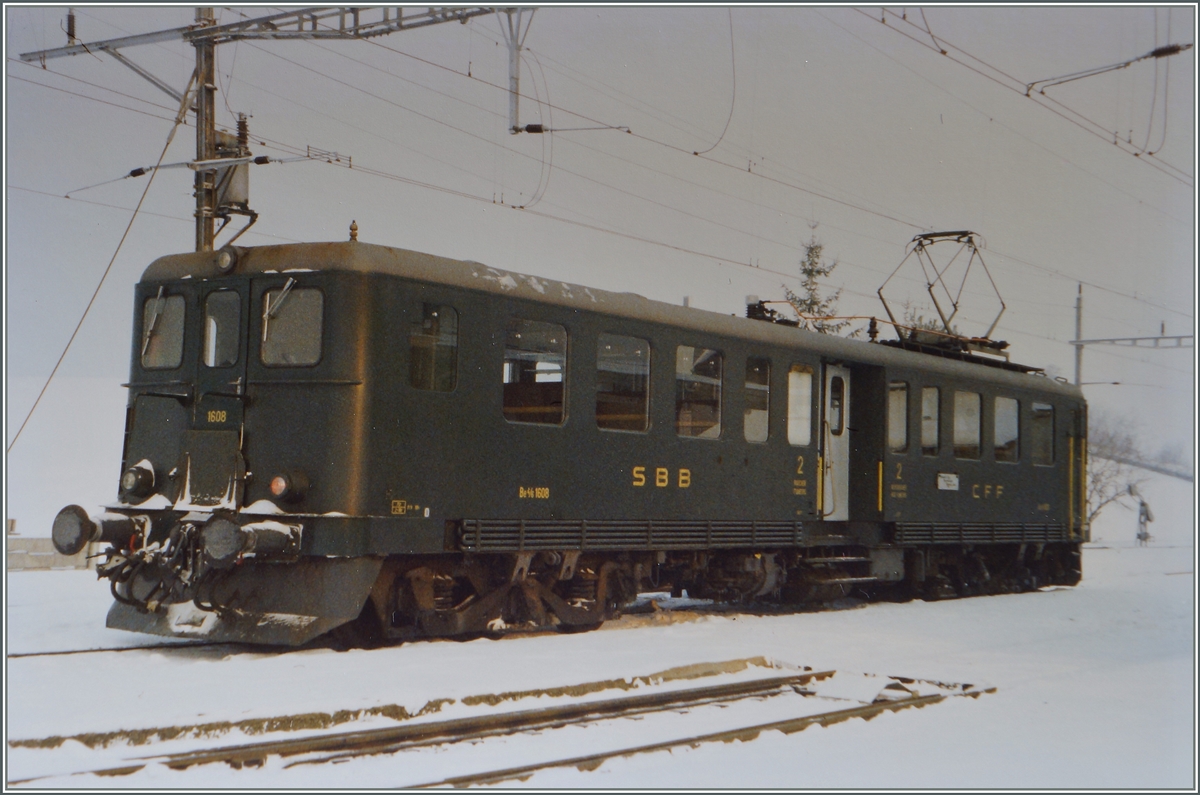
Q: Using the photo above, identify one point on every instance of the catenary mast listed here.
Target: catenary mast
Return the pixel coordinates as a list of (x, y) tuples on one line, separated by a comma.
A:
[(216, 164)]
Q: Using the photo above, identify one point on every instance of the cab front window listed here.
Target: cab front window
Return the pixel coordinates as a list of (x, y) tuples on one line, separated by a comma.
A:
[(222, 326), (162, 332), (292, 321)]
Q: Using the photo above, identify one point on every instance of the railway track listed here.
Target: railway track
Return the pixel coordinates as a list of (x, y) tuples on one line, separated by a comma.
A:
[(344, 745), (638, 612), (338, 747), (152, 647), (629, 619), (744, 734)]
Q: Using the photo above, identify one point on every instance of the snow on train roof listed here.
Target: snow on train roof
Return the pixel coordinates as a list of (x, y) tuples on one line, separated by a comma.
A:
[(370, 258)]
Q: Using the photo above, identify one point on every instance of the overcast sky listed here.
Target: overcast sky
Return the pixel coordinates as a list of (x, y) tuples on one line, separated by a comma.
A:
[(848, 125)]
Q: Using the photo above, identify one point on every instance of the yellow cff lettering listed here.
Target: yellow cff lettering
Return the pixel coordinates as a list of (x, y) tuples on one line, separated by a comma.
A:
[(987, 490), (999, 489), (685, 478), (975, 490), (639, 476), (662, 477)]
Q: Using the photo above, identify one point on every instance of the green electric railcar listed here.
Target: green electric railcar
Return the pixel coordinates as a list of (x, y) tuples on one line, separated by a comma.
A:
[(350, 437)]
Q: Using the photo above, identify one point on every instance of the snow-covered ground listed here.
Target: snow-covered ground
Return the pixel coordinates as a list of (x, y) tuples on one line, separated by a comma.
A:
[(1095, 687)]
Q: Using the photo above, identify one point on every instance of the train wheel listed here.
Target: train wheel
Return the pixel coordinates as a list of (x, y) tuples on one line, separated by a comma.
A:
[(363, 632)]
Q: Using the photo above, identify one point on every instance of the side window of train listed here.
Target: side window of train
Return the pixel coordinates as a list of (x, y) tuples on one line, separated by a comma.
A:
[(1007, 427), (800, 395), (755, 424), (930, 428), (292, 322), (622, 383), (535, 369), (837, 403), (1041, 435), (162, 332), (966, 424), (897, 417), (698, 373), (433, 349), (222, 328)]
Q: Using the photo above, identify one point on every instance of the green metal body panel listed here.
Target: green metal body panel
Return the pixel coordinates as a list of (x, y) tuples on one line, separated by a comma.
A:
[(390, 466)]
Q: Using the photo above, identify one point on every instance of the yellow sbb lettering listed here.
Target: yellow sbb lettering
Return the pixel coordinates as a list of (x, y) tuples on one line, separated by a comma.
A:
[(662, 477)]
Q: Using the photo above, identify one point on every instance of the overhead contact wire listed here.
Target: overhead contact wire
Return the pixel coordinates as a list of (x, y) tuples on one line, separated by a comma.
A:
[(1098, 130), (179, 118), (733, 93), (719, 259)]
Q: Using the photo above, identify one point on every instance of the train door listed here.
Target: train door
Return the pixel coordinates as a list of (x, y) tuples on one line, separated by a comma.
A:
[(216, 468), (835, 444)]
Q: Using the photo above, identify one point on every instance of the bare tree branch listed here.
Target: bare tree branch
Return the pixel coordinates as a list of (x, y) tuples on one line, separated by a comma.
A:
[(1109, 477)]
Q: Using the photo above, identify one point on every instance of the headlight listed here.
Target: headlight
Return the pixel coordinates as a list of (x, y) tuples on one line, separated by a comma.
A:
[(289, 486), (138, 480), (226, 259)]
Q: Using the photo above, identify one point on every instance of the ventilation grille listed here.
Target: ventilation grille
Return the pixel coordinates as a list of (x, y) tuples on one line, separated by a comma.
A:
[(978, 533), (509, 535)]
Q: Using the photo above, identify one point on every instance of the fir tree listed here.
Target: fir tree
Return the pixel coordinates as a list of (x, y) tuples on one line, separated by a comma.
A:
[(808, 302)]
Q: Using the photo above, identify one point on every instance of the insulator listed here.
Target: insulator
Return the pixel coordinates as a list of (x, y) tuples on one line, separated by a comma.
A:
[(243, 132), (71, 26)]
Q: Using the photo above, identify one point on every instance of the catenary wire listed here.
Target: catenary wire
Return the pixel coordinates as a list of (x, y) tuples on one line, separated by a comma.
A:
[(781, 182), (733, 92), (830, 198), (179, 117), (1023, 261), (1096, 130), (989, 116)]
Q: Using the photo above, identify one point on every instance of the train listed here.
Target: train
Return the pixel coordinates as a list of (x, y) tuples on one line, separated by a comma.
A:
[(352, 442)]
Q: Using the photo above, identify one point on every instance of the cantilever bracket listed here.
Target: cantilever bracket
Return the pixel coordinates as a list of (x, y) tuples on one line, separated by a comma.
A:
[(159, 84)]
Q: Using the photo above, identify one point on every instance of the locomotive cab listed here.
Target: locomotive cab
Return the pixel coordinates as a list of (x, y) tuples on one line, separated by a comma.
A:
[(242, 428), (233, 369)]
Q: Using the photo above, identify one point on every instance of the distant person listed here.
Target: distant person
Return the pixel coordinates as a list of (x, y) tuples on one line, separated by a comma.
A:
[(1145, 517)]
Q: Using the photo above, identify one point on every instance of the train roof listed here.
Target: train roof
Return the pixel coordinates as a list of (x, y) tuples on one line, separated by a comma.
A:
[(355, 256)]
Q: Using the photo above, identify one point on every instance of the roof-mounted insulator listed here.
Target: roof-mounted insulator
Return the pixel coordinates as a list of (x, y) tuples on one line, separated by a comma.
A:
[(1169, 49), (354, 231), (243, 133)]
